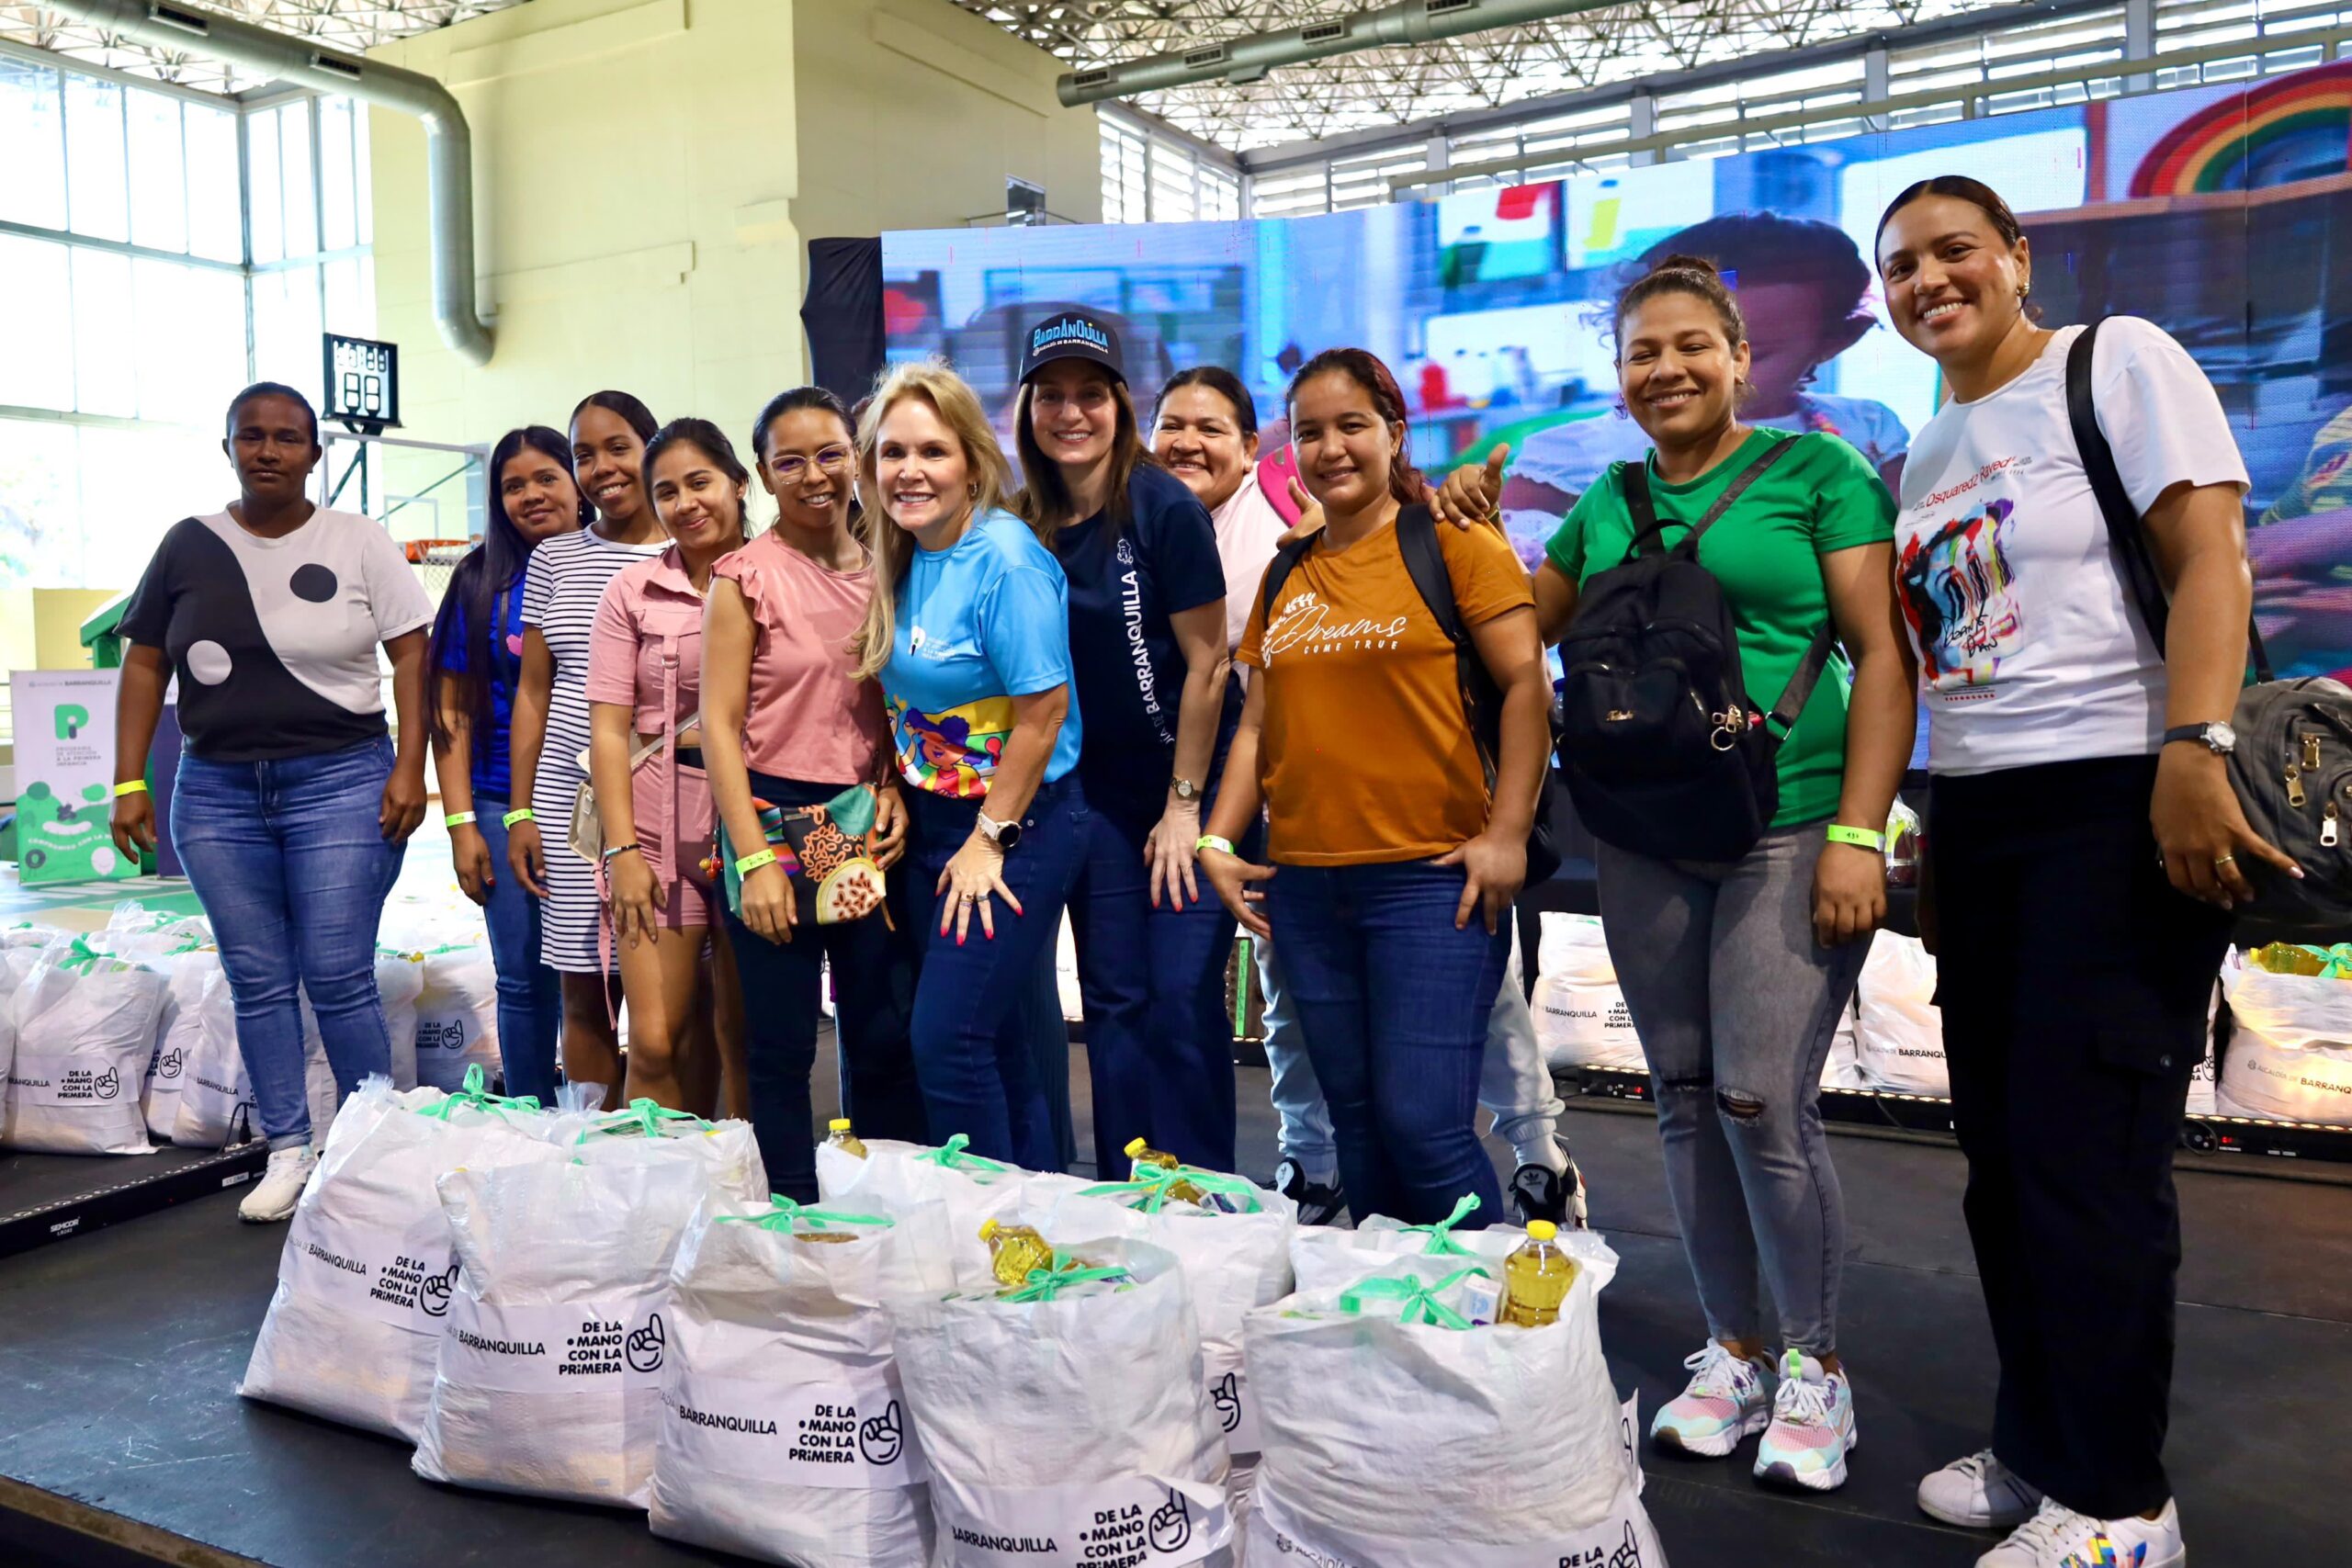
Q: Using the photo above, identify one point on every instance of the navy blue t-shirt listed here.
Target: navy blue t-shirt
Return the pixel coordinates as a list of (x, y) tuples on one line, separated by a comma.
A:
[(493, 762), (1124, 586)]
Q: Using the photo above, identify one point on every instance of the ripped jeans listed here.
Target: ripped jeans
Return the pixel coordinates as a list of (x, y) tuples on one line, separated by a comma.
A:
[(1736, 1004)]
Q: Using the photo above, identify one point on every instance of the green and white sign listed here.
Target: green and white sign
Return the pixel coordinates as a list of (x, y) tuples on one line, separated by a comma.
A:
[(65, 776)]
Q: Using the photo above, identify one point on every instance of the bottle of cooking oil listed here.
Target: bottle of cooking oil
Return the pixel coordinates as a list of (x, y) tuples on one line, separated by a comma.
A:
[(1145, 1155), (842, 1138), (1017, 1249), (1536, 1277)]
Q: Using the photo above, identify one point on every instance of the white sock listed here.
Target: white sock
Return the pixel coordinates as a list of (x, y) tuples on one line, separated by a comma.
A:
[(1545, 1150)]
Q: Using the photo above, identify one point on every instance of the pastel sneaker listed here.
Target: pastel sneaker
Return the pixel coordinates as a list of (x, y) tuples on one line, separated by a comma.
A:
[(1811, 1430), (1727, 1401), (1978, 1493), (2057, 1536), (274, 1195)]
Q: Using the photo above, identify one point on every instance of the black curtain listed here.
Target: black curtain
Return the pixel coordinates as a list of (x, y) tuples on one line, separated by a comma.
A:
[(842, 315)]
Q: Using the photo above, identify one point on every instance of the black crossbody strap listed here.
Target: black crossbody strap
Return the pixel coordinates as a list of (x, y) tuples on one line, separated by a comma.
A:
[(1425, 564), (2127, 533), (1640, 507), (1278, 571), (1801, 681)]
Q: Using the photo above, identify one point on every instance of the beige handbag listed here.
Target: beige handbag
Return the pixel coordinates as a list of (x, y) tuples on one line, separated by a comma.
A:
[(587, 834)]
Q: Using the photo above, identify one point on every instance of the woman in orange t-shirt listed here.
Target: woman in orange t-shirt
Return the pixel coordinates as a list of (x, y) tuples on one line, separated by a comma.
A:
[(1395, 865)]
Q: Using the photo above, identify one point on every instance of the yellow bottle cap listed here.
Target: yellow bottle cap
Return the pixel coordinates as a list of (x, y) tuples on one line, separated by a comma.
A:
[(1136, 1146), (1542, 1230), (988, 1229), (839, 1124)]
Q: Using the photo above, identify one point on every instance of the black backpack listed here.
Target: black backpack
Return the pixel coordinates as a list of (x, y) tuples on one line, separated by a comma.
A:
[(2291, 769), (1482, 700), (1665, 754)]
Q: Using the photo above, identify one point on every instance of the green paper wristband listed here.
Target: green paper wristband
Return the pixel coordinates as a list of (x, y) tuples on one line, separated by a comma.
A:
[(752, 862), (1860, 838), (456, 818), (1212, 841), (525, 815)]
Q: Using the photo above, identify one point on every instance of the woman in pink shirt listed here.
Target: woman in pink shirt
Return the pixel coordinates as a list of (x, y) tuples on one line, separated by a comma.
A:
[(787, 724), (644, 686)]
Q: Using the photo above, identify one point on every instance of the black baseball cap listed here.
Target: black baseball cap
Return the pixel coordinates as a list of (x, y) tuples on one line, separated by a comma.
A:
[(1072, 334)]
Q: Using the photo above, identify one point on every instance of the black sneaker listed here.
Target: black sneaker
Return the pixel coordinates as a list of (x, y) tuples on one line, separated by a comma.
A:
[(1319, 1202), (1538, 1192)]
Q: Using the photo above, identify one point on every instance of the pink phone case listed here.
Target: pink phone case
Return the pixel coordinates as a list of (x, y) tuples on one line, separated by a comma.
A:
[(1275, 470)]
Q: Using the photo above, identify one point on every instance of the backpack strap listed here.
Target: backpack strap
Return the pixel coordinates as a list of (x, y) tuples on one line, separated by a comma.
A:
[(1278, 571), (2127, 533), (1643, 511), (1417, 541)]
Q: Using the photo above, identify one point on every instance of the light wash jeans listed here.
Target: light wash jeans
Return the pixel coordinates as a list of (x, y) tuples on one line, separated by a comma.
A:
[(1736, 1004), (293, 870), (1514, 1083)]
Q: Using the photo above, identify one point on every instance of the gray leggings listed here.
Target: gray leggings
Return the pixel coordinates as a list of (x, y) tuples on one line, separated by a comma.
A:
[(1736, 1004)]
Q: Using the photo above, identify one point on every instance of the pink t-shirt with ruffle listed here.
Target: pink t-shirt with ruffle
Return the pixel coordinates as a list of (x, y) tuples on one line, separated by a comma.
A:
[(808, 716)]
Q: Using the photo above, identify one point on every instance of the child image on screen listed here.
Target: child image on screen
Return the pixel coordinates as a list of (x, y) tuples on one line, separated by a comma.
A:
[(2302, 590), (1804, 290)]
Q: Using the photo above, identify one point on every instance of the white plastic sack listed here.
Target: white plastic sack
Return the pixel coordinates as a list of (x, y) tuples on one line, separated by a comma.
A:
[(16, 964), (400, 977), (1232, 1263), (1580, 1016), (784, 1434), (2205, 1079), (216, 1094), (179, 1028), (85, 1031), (364, 1283), (549, 1381), (898, 1178), (1070, 1432), (1329, 1258), (1899, 1040), (1396, 1445), (456, 1021), (1066, 973), (2290, 1059), (1843, 1067), (727, 1153)]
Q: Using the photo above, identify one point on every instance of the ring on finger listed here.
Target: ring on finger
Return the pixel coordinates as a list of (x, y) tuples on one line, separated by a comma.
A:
[(2220, 861)]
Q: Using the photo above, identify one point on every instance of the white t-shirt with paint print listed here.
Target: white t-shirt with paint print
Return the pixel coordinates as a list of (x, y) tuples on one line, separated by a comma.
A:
[(2028, 648)]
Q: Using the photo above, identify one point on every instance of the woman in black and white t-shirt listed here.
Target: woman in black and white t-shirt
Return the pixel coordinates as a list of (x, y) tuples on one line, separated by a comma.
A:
[(290, 808), (2086, 850)]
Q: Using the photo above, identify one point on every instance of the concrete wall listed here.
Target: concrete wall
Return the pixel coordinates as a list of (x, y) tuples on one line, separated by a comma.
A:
[(647, 173)]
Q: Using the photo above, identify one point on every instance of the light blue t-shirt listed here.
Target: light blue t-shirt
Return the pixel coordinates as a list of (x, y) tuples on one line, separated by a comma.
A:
[(978, 624)]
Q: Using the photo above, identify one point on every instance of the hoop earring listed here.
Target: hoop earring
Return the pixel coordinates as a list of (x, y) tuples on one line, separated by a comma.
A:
[(971, 492)]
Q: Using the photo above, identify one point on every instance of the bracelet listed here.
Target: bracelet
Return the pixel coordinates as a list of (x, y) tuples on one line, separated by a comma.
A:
[(131, 786), (456, 818), (525, 815), (753, 862), (1860, 838), (1212, 841), (619, 850)]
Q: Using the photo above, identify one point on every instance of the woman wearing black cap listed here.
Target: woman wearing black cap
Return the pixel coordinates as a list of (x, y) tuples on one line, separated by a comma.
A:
[(1147, 633)]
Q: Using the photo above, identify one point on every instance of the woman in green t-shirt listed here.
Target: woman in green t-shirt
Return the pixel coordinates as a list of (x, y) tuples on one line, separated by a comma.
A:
[(1737, 973)]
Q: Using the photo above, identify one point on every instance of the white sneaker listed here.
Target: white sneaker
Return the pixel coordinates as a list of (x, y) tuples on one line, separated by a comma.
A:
[(2057, 1536), (1728, 1400), (1978, 1493), (274, 1195)]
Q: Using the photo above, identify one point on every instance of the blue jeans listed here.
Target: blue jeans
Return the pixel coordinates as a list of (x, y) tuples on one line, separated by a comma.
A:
[(1393, 1003), (530, 995), (976, 1050), (293, 870), (874, 971), (1158, 1043)]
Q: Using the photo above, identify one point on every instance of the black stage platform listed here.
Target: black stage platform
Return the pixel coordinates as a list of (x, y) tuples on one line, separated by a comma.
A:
[(124, 1443)]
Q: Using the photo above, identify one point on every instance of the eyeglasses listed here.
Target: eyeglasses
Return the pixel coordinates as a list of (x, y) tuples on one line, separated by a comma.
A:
[(794, 470)]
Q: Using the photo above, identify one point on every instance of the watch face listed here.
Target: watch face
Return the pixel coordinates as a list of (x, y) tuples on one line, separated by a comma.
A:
[(1008, 836), (2221, 736), (1186, 789)]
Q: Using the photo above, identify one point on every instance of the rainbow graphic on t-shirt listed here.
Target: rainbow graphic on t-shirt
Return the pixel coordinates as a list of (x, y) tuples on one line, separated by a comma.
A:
[(953, 752), (1961, 597)]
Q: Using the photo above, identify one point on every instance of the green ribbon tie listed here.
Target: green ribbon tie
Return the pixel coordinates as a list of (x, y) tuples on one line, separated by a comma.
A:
[(1045, 1284), (951, 1156), (789, 1213), (1154, 1186), (644, 1117), (1441, 1235), (1419, 1302)]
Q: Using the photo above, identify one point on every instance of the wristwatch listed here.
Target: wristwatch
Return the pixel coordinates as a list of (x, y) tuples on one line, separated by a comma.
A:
[(2217, 738), (1005, 836), (1186, 788)]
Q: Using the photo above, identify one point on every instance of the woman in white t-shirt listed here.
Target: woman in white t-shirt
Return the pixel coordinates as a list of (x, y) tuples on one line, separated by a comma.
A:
[(2085, 851)]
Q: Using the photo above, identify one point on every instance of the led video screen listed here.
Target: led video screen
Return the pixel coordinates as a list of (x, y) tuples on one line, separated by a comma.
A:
[(2212, 211)]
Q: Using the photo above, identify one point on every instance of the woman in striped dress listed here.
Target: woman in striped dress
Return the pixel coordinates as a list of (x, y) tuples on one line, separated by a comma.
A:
[(561, 589)]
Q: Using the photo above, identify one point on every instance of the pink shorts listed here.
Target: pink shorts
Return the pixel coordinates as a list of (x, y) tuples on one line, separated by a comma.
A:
[(687, 901)]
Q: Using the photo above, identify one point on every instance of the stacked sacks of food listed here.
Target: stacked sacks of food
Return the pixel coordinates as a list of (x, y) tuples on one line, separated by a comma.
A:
[(455, 1024), (85, 1026), (892, 1178), (1063, 1415), (216, 1099), (364, 1284), (400, 976), (2290, 1056), (1580, 1016), (549, 1377), (1233, 1242), (1420, 1418), (1899, 1037), (784, 1434)]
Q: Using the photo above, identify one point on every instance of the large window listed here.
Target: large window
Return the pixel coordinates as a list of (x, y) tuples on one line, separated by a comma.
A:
[(158, 250)]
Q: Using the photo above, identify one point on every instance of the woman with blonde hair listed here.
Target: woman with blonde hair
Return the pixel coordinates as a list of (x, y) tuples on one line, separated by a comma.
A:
[(968, 632)]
